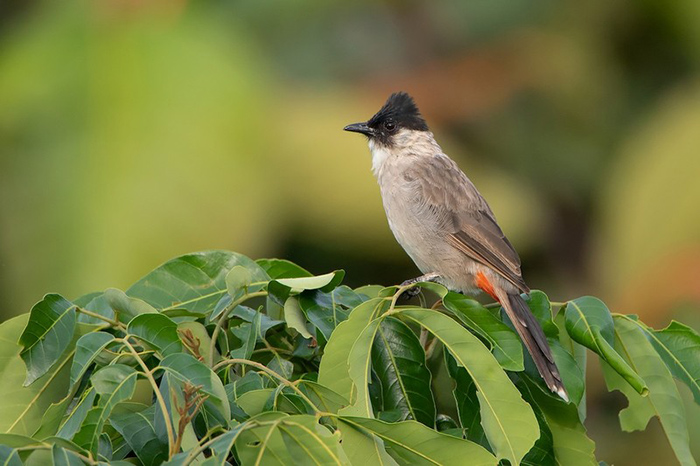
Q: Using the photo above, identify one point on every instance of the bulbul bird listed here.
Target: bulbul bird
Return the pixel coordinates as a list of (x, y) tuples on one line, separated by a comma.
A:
[(444, 223)]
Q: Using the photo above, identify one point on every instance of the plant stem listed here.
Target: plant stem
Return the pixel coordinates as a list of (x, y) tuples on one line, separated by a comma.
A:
[(222, 319), (398, 294), (270, 349), (113, 323), (159, 396), (267, 370)]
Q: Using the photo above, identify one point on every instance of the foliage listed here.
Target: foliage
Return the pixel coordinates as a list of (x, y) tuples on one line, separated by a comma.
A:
[(215, 358)]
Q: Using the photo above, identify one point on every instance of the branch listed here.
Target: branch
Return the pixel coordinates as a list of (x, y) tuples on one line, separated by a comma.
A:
[(222, 319), (159, 396)]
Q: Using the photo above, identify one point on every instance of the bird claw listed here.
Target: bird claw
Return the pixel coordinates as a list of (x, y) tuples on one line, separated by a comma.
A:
[(411, 292)]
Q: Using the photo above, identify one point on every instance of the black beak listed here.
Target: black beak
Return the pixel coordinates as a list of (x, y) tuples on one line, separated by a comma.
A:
[(361, 128)]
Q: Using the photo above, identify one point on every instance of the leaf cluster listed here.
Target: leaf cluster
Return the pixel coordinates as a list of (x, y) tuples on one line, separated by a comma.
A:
[(213, 358)]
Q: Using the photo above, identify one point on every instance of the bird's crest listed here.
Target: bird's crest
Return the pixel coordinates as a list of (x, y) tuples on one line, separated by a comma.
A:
[(402, 110)]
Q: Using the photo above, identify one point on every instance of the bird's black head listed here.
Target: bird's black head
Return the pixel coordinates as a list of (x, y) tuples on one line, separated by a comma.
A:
[(399, 112)]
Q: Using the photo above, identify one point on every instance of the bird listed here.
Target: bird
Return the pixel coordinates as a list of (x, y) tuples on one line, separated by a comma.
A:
[(445, 225)]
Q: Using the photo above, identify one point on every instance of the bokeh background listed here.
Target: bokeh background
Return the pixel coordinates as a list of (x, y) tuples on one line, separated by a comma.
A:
[(132, 132)]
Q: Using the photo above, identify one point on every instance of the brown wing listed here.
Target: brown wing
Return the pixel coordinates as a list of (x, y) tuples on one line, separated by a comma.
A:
[(469, 219)]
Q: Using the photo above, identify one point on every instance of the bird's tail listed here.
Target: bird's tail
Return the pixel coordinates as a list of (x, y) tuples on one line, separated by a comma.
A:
[(535, 341)]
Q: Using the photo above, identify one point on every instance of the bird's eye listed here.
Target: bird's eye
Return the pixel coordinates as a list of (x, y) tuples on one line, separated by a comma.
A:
[(390, 126)]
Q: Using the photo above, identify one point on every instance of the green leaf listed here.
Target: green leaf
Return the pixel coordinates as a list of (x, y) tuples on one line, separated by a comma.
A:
[(295, 318), (17, 441), (679, 347), (284, 440), (663, 400), (97, 303), (327, 310), (323, 397), (281, 268), (509, 422), (251, 381), (277, 294), (108, 379), (86, 350), (282, 366), (541, 308), (505, 343), (253, 402), (158, 331), (412, 443), (467, 402), (125, 307), (221, 305), (364, 448), (371, 291), (194, 282), (115, 384), (571, 374), (589, 323), (9, 456), (48, 333), (64, 457), (569, 440), (139, 432), (22, 409), (579, 354), (300, 284), (446, 424), (398, 360), (186, 368), (76, 418), (248, 334), (310, 442), (249, 315), (542, 453), (54, 416), (224, 443), (183, 315), (359, 368), (285, 400), (238, 280), (433, 287), (333, 371), (263, 444)]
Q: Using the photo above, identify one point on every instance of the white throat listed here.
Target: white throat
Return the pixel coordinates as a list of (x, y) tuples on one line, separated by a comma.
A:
[(379, 156)]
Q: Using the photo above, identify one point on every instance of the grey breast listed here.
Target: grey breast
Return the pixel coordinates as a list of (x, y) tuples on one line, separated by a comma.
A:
[(419, 225)]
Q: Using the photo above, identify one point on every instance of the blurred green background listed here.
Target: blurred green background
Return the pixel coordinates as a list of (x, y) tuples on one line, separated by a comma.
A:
[(132, 132)]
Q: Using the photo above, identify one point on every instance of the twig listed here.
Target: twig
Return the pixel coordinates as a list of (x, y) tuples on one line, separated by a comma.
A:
[(398, 294), (113, 323), (222, 319), (159, 396), (257, 365)]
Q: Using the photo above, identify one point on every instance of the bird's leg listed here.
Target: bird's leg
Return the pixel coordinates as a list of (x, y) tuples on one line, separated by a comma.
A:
[(428, 277)]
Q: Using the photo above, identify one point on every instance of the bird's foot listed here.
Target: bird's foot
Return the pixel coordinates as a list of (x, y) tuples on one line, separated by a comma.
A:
[(415, 291)]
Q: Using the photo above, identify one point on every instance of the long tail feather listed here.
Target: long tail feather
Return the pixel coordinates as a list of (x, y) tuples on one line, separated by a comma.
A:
[(535, 341)]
